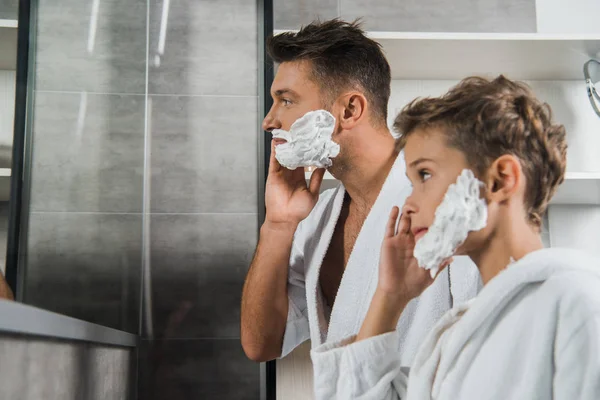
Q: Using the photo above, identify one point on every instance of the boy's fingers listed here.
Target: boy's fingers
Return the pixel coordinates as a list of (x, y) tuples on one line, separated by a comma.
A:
[(390, 229)]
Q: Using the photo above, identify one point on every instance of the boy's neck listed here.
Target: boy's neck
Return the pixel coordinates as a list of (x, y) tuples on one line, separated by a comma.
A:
[(514, 239)]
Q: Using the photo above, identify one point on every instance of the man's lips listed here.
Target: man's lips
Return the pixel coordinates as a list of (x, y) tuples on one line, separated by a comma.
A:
[(279, 141)]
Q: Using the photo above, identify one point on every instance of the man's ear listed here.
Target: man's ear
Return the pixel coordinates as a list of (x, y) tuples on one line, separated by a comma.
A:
[(504, 178), (353, 108)]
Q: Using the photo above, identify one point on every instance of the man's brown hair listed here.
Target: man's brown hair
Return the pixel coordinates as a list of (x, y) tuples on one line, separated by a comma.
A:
[(487, 119), (342, 57)]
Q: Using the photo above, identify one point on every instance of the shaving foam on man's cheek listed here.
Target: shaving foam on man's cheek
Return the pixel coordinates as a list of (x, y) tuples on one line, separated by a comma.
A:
[(462, 211), (308, 142)]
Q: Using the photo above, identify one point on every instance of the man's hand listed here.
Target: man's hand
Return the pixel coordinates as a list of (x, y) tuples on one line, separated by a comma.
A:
[(287, 197), (5, 292), (399, 272)]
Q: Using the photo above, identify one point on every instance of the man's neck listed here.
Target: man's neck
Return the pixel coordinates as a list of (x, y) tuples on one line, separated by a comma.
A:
[(371, 164)]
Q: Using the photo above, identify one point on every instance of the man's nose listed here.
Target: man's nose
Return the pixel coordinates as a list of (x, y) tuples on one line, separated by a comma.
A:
[(270, 123)]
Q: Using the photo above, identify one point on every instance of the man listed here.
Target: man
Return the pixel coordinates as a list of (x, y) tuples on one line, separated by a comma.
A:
[(315, 268)]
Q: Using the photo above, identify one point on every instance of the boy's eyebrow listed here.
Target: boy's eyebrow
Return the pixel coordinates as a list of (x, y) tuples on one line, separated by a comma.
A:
[(419, 161)]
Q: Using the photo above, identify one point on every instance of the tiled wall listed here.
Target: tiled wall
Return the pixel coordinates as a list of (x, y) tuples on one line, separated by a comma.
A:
[(33, 369), (203, 108), (183, 86), (85, 221), (414, 15), (9, 9)]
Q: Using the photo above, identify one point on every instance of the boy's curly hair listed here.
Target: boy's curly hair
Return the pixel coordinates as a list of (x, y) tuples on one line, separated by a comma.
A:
[(487, 119)]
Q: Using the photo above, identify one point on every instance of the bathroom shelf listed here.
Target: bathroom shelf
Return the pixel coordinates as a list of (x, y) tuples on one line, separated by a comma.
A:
[(8, 44), (453, 56), (578, 188)]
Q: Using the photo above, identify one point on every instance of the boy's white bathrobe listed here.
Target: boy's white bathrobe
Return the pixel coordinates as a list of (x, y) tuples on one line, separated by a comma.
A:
[(533, 332), (307, 310)]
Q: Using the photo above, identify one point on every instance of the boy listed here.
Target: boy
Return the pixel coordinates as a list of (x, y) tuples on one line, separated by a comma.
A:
[(533, 332)]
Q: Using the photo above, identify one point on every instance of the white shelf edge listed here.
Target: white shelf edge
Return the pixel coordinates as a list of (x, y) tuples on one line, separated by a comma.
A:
[(390, 35), (579, 188), (5, 172), (568, 175), (582, 175), (9, 23)]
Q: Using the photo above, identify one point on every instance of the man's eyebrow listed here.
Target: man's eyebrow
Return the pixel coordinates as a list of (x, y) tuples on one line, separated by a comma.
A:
[(419, 161), (281, 92)]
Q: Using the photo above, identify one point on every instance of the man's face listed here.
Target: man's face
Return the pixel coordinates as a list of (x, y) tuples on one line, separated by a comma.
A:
[(294, 94)]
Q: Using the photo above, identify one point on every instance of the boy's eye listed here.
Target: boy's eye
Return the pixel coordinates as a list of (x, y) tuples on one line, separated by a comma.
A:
[(424, 175)]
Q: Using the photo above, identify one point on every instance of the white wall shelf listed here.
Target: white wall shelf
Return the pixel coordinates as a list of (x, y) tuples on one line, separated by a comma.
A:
[(8, 44), (522, 56), (578, 188)]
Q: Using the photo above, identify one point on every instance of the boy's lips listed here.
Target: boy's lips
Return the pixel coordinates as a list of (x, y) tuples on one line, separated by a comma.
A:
[(419, 231)]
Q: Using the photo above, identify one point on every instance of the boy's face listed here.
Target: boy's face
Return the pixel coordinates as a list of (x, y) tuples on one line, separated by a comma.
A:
[(294, 94), (431, 166)]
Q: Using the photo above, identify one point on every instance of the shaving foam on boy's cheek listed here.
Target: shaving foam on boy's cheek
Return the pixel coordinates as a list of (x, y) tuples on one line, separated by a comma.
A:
[(462, 211), (308, 141)]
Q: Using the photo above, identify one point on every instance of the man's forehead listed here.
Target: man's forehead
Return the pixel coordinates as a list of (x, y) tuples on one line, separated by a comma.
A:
[(292, 73)]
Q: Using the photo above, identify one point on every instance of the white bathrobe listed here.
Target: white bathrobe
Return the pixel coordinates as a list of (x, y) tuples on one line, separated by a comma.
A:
[(307, 310), (533, 332)]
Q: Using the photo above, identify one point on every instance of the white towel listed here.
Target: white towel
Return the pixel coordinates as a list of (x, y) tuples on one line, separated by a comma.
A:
[(532, 333)]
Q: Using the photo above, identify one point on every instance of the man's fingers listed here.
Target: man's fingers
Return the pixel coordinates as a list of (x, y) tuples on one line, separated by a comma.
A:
[(274, 165), (443, 266), (315, 181), (390, 229)]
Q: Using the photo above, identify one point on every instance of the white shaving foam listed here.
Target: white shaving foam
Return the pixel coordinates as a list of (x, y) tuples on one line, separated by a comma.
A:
[(308, 141), (462, 211)]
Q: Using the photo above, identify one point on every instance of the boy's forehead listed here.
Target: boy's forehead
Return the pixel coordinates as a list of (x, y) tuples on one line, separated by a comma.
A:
[(424, 143)]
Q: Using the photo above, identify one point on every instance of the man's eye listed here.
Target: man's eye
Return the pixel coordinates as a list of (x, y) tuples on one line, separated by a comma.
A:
[(286, 102)]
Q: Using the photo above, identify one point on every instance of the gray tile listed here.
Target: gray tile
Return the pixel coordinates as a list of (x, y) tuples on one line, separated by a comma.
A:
[(197, 369), (86, 266), (198, 265), (210, 47), (292, 14), (441, 16), (88, 152), (71, 55), (9, 9), (3, 234), (204, 154)]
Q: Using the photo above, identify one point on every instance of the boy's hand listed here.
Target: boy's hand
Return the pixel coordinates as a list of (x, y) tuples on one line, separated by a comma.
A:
[(399, 273)]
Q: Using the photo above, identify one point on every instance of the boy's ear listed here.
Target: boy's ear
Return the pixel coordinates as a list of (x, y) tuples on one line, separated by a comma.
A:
[(504, 178)]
